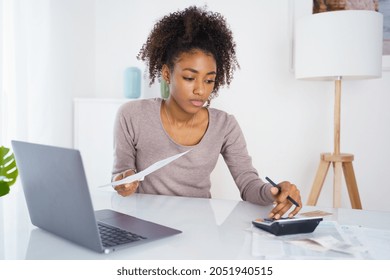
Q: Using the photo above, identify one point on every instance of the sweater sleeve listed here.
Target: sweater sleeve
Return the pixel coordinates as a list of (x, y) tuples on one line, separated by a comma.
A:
[(235, 154), (124, 142)]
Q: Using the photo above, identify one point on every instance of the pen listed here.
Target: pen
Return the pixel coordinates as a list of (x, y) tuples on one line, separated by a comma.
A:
[(276, 186)]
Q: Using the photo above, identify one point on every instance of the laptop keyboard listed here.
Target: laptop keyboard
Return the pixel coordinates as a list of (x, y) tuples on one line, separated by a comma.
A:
[(112, 236)]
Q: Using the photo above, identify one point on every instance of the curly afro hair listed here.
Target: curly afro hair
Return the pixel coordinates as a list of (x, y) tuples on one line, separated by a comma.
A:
[(188, 30)]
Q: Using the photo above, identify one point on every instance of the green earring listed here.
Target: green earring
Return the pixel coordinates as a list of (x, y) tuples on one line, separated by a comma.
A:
[(164, 89)]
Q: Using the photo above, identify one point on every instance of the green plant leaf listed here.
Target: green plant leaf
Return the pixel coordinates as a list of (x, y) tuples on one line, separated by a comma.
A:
[(4, 188), (8, 170)]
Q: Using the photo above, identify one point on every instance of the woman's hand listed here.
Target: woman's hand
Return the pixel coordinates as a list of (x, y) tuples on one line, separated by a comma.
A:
[(126, 189), (281, 201)]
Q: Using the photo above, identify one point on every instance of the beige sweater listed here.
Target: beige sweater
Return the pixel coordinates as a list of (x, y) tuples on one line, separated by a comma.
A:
[(140, 140)]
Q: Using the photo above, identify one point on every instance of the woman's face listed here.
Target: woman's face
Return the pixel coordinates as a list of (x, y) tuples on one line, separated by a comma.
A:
[(192, 79)]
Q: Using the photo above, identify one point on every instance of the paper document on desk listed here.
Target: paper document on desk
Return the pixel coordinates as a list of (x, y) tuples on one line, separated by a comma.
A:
[(328, 241), (140, 175)]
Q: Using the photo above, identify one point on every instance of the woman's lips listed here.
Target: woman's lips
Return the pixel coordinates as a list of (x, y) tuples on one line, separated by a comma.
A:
[(197, 103)]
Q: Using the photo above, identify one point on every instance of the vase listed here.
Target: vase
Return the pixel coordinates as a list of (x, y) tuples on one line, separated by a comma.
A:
[(132, 82)]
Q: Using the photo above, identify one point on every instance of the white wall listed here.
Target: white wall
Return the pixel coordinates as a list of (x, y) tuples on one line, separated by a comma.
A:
[(287, 123), (54, 62)]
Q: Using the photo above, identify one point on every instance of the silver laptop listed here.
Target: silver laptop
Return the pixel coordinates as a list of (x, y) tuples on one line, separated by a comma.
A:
[(58, 201)]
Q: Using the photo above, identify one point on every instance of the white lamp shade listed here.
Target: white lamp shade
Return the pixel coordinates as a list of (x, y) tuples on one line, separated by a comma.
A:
[(345, 44)]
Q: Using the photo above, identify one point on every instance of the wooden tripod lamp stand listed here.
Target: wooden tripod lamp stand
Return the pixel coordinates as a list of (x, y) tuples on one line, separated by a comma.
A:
[(341, 45)]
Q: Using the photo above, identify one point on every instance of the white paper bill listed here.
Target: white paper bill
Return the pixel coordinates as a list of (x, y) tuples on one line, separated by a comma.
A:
[(140, 175)]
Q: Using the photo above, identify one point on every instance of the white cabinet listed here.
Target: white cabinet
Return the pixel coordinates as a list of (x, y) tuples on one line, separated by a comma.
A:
[(93, 136)]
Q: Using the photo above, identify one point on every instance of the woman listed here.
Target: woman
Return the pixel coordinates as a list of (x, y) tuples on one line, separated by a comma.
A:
[(194, 52)]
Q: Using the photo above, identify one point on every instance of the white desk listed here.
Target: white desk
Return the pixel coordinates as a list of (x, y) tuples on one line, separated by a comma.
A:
[(212, 229)]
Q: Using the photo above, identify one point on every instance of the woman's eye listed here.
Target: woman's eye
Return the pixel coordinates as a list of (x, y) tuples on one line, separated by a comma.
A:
[(210, 81), (188, 78)]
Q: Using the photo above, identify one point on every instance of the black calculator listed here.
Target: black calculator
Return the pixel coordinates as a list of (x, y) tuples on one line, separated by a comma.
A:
[(286, 226)]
